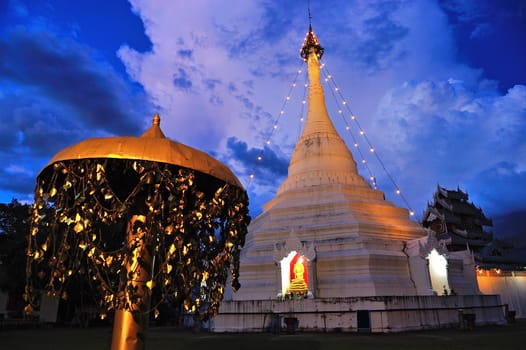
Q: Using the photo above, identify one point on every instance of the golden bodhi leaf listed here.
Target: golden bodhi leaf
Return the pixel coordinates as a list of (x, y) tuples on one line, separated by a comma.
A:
[(192, 226)]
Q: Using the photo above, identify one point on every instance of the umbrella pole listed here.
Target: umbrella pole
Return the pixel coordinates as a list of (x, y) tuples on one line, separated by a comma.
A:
[(129, 325)]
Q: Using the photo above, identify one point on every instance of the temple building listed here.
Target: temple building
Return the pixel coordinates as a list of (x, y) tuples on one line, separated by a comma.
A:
[(453, 215), (330, 252), (501, 268)]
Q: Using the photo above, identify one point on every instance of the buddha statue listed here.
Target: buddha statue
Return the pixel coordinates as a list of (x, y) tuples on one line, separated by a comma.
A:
[(298, 285)]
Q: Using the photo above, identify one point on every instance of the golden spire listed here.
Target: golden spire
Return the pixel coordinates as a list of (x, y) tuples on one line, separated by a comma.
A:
[(311, 42), (320, 156)]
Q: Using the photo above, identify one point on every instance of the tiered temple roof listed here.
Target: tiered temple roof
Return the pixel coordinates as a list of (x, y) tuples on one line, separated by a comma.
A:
[(452, 214), (460, 222)]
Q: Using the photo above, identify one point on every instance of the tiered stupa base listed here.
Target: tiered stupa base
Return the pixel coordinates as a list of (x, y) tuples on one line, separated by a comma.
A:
[(353, 238)]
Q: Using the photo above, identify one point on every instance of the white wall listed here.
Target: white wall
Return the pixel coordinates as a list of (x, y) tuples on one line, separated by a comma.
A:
[(512, 289)]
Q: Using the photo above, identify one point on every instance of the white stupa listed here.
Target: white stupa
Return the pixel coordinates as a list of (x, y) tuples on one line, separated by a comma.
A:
[(350, 238), (328, 245)]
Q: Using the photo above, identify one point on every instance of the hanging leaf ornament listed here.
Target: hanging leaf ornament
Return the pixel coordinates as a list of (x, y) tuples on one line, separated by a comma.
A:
[(189, 237)]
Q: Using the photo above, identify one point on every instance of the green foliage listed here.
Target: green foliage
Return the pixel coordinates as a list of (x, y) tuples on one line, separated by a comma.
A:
[(14, 227), (14, 218), (113, 219)]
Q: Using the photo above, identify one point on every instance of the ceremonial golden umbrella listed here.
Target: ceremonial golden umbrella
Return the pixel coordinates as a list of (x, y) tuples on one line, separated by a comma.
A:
[(137, 215)]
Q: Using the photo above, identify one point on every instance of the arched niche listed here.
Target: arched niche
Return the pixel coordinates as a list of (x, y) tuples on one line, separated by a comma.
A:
[(296, 263), (438, 272)]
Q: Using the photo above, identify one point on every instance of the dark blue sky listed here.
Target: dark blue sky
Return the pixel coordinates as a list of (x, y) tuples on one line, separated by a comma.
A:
[(490, 35), (438, 86)]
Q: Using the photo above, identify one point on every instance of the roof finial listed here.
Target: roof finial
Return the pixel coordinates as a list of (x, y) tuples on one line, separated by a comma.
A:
[(310, 17), (310, 41), (156, 119), (155, 130)]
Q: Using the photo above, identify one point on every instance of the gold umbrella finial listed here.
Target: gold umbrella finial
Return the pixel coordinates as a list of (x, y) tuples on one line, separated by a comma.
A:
[(155, 130), (156, 119)]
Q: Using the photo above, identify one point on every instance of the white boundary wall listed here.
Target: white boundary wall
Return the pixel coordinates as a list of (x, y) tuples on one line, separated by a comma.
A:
[(511, 288), (386, 314)]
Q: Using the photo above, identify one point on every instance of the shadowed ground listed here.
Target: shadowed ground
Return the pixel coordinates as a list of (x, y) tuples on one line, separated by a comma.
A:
[(506, 337)]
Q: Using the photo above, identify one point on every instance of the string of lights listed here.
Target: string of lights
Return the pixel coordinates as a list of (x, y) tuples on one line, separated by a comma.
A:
[(343, 110), (275, 124), (348, 128), (303, 103), (344, 105)]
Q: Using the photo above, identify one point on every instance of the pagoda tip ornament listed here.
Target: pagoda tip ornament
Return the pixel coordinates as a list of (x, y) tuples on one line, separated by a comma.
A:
[(311, 41)]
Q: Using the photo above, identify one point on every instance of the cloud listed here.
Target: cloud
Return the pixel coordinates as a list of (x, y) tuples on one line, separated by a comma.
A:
[(54, 93), (19, 180), (206, 92), (70, 74), (219, 77), (263, 163), (378, 45), (444, 132), (181, 81), (219, 72), (500, 188), (489, 35), (481, 30), (467, 10), (185, 53)]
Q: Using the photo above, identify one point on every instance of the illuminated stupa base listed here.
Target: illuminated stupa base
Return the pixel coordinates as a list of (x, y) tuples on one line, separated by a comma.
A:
[(354, 246)]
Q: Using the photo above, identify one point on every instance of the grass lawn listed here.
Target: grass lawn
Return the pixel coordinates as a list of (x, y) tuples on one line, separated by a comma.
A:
[(489, 337)]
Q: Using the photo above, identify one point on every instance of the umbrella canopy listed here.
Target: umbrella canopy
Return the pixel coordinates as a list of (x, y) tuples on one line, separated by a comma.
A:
[(152, 146)]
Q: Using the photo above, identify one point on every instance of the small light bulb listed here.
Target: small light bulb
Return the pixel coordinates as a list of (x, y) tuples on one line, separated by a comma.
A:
[(251, 176), (397, 191), (353, 117), (347, 127), (371, 149), (260, 157), (344, 102), (287, 98), (363, 161), (340, 111), (362, 132)]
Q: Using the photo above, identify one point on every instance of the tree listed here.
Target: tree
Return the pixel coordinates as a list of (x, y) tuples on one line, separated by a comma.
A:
[(14, 227)]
